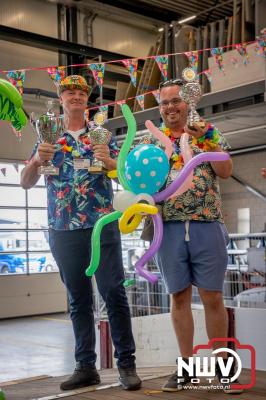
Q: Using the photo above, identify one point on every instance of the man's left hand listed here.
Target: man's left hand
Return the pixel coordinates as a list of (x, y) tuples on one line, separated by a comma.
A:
[(200, 128), (102, 153)]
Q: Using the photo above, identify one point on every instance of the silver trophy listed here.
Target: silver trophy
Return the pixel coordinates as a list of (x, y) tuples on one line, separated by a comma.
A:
[(99, 135), (49, 127), (191, 93)]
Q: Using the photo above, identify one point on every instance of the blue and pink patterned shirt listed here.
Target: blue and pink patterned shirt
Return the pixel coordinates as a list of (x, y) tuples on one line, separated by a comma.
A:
[(77, 198)]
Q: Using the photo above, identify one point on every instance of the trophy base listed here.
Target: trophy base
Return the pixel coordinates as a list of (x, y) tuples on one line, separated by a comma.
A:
[(199, 124), (48, 170), (95, 169)]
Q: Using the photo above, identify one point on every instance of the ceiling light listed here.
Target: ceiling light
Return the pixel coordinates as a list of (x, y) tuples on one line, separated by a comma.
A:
[(187, 19), (161, 29)]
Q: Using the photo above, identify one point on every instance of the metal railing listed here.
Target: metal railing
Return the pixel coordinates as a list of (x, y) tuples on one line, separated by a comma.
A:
[(244, 285)]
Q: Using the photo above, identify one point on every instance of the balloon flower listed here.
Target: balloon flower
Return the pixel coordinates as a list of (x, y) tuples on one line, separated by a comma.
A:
[(142, 172), (11, 106)]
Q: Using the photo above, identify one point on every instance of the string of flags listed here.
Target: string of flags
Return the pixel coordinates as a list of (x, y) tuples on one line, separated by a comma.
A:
[(57, 73)]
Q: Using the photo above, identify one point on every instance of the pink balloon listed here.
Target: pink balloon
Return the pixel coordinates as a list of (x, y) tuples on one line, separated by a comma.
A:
[(156, 242), (161, 137), (187, 155), (198, 159)]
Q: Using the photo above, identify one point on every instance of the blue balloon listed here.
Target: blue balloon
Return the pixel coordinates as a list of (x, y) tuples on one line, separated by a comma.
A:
[(146, 169)]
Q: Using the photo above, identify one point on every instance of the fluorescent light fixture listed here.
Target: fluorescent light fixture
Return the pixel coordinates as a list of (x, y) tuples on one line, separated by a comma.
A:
[(161, 29), (187, 19)]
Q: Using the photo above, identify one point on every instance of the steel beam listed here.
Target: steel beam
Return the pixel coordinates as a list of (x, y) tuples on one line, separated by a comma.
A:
[(53, 44)]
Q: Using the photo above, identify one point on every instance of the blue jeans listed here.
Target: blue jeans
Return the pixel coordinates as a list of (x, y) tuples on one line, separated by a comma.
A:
[(72, 252)]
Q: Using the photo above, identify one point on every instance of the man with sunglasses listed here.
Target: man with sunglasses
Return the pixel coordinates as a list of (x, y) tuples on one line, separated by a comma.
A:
[(193, 249)]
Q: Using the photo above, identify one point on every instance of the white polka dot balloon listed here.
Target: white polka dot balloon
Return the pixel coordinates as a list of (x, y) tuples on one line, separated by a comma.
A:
[(146, 169)]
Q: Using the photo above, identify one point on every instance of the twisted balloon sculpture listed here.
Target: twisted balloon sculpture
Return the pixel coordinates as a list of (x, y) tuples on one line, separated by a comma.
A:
[(11, 106), (142, 172)]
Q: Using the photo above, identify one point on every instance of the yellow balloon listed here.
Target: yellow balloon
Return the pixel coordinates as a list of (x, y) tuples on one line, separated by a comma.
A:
[(112, 174), (131, 218)]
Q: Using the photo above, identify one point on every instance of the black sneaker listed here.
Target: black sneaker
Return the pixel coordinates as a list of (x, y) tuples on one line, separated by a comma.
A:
[(81, 377), (227, 388), (174, 385), (129, 378)]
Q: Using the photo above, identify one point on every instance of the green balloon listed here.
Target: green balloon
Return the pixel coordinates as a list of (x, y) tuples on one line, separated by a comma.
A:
[(19, 119), (7, 108), (2, 395), (9, 90), (131, 132), (129, 282), (96, 240)]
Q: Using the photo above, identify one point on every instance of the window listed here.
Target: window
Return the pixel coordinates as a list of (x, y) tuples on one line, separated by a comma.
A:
[(24, 246)]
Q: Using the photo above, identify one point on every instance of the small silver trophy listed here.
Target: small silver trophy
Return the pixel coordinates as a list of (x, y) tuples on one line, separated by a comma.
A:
[(191, 94), (49, 127), (99, 135)]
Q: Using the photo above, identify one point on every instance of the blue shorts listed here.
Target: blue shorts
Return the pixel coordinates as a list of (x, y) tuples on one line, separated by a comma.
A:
[(193, 252)]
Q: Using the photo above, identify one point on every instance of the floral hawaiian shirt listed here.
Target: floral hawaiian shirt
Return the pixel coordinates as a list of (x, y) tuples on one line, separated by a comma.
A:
[(203, 201), (76, 198)]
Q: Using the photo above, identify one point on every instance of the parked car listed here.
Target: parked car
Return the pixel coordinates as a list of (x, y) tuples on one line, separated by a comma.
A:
[(13, 263), (10, 263)]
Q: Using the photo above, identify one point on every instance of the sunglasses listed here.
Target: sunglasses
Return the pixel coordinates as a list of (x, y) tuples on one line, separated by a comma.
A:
[(171, 82)]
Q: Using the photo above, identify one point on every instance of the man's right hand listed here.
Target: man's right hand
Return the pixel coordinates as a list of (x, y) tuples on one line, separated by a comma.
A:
[(44, 153)]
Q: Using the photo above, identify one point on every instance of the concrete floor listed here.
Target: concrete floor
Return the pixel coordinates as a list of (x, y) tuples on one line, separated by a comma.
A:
[(33, 346)]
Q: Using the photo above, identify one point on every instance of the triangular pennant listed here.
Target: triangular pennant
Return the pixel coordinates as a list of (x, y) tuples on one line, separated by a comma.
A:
[(17, 79), (56, 74), (104, 109), (140, 100), (242, 50), (98, 72), (217, 53), (162, 62), (261, 43), (156, 94), (208, 74), (193, 59), (16, 166), (3, 170), (132, 67)]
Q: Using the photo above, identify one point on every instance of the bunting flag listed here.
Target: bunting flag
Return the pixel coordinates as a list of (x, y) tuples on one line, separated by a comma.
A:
[(162, 62), (104, 109), (16, 166), (17, 79), (98, 72), (156, 94), (132, 67), (261, 43), (217, 53), (56, 74), (3, 170), (140, 100), (193, 59), (234, 61), (208, 74), (242, 50)]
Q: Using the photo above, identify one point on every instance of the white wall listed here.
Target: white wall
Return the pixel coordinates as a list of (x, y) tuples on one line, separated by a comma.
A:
[(155, 339), (31, 295), (156, 343), (235, 196), (36, 16), (119, 37)]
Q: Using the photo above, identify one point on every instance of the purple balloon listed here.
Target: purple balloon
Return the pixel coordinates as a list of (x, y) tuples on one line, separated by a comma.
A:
[(156, 242), (198, 159)]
